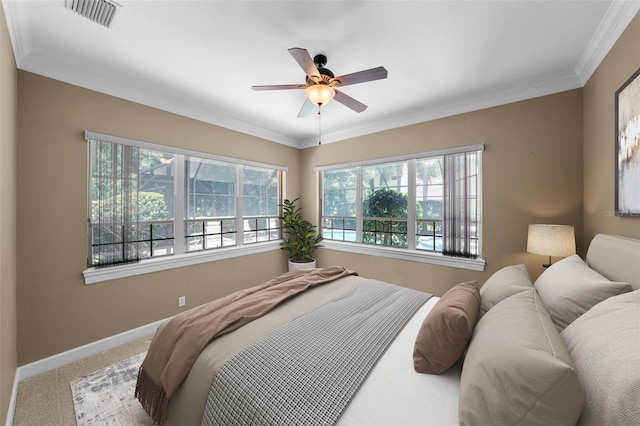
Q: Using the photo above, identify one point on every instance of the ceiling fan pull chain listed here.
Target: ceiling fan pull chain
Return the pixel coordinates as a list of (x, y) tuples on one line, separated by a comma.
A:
[(319, 125)]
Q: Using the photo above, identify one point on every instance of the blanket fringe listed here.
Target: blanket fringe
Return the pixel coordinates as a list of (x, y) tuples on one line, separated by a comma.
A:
[(175, 347), (152, 397)]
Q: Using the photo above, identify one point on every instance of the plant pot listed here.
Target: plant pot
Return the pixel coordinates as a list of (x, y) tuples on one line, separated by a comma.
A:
[(301, 265)]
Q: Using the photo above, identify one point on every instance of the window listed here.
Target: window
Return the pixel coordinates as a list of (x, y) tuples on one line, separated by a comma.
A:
[(427, 205), (339, 204), (149, 201), (260, 205), (385, 204), (210, 217)]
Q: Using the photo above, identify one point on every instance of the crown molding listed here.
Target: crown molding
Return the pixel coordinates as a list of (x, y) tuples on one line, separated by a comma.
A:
[(613, 24), (17, 16), (615, 21), (488, 99), (49, 67)]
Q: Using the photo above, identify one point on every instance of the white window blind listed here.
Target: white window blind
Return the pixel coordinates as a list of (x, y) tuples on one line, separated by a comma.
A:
[(460, 207), (114, 215)]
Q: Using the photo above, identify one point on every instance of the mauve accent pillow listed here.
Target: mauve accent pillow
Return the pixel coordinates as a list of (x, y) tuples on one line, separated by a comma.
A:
[(604, 345), (447, 329), (503, 283), (569, 288)]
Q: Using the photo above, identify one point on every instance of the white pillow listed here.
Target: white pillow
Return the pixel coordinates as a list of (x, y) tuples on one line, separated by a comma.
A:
[(569, 288), (604, 345), (517, 369), (503, 283)]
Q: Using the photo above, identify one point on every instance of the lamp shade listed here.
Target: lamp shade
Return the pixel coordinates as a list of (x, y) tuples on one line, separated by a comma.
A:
[(320, 94), (551, 240)]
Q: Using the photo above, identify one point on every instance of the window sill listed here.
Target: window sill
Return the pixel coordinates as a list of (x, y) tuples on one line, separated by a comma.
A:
[(96, 275), (403, 254)]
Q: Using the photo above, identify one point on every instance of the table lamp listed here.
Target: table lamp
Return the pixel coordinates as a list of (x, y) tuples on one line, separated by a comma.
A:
[(551, 240)]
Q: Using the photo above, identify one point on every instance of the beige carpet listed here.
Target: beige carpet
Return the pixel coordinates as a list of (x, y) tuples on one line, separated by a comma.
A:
[(46, 399)]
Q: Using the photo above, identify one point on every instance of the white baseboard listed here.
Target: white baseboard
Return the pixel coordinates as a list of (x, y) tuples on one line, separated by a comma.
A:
[(72, 355), (12, 402)]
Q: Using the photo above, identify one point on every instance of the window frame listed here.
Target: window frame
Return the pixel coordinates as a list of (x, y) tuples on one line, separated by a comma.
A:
[(181, 256), (410, 253)]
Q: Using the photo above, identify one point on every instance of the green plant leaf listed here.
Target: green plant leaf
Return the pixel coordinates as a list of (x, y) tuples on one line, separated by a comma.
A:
[(299, 235)]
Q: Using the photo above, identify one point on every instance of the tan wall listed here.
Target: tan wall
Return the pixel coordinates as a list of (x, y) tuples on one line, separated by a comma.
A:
[(532, 173), (599, 137), (8, 194), (56, 310)]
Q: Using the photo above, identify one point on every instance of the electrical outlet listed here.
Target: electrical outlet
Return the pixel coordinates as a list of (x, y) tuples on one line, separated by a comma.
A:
[(182, 300)]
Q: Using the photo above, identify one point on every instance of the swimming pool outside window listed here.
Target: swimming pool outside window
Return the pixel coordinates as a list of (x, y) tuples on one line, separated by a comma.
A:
[(425, 203)]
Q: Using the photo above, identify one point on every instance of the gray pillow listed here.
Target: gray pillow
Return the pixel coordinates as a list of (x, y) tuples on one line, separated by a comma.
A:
[(517, 370), (506, 282), (604, 344), (569, 288)]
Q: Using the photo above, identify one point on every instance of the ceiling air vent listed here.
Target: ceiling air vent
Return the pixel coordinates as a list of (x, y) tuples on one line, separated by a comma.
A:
[(101, 12)]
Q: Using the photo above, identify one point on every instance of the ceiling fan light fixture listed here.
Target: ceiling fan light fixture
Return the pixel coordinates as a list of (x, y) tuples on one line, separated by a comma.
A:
[(320, 82), (320, 94)]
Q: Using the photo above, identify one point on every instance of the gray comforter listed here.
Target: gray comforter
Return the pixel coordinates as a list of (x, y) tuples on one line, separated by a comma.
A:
[(307, 370)]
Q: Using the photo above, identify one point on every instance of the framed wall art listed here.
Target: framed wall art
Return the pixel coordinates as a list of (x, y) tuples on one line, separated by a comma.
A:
[(628, 147)]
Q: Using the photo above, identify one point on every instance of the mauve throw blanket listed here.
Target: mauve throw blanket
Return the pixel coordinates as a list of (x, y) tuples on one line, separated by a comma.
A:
[(175, 348)]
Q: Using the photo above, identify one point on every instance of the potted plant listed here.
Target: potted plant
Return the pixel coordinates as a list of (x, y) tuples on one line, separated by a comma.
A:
[(299, 236)]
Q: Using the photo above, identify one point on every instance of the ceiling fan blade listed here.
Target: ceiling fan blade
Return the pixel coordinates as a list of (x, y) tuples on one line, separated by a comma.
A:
[(305, 61), (280, 87), (307, 107), (348, 101), (362, 76)]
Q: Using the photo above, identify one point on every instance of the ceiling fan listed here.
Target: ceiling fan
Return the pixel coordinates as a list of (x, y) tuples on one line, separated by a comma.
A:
[(320, 86)]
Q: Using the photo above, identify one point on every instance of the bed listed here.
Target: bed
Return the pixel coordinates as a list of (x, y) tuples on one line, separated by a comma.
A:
[(507, 352)]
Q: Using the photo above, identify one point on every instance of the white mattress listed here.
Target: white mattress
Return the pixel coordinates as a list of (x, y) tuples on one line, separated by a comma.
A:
[(395, 394)]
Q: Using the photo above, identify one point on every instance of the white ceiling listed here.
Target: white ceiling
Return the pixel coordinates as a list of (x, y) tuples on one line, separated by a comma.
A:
[(200, 58)]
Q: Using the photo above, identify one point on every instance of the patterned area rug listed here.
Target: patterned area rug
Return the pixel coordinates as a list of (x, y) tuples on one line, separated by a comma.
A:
[(105, 397)]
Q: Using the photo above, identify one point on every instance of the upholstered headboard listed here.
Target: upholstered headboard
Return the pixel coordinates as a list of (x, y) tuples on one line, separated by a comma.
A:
[(616, 257)]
